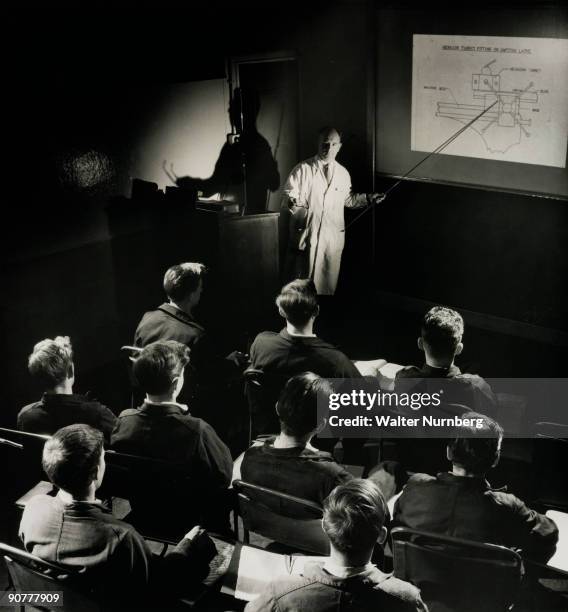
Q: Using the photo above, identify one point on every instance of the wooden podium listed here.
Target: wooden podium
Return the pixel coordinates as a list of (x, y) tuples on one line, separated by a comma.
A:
[(242, 253)]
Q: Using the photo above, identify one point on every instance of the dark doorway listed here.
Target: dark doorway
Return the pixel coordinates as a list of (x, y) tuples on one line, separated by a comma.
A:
[(272, 85)]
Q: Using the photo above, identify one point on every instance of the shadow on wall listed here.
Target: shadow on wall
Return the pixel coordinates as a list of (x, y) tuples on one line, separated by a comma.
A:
[(246, 169)]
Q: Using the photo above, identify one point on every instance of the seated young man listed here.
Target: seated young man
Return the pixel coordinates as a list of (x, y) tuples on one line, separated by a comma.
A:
[(175, 320), (441, 341), (51, 363), (75, 530), (461, 503), (354, 521), (289, 462), (295, 349), (164, 429)]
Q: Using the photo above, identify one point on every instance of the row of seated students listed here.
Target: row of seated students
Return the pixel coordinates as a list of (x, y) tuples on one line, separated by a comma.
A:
[(459, 503), (75, 530), (161, 428), (293, 350), (296, 348), (294, 461)]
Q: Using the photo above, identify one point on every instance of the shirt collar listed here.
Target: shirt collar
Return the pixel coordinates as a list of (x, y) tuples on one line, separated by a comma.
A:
[(61, 398), (288, 336), (442, 372), (468, 481), (317, 161), (346, 572), (80, 506), (295, 451), (174, 311), (330, 169), (320, 573), (162, 409)]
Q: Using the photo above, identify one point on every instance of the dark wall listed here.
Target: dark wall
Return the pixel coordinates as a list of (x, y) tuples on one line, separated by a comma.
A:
[(87, 84), (333, 49), (490, 252)]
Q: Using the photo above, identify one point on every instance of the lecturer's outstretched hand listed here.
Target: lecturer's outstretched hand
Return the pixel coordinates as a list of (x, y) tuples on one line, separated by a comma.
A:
[(375, 198)]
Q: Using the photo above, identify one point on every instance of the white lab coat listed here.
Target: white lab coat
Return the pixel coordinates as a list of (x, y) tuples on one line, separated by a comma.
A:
[(317, 226)]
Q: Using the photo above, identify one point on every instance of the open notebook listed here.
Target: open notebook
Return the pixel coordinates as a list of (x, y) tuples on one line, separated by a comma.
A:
[(253, 569), (560, 558)]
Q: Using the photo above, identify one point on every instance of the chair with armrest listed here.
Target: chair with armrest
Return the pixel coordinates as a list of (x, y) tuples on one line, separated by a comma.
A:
[(11, 454), (129, 354), (262, 391), (262, 416), (165, 497), (20, 453), (253, 389), (457, 574), (32, 442), (286, 519), (550, 456), (552, 431), (30, 573), (154, 488)]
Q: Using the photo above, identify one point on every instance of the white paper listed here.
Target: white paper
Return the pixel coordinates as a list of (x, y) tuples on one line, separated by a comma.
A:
[(258, 568), (560, 558)]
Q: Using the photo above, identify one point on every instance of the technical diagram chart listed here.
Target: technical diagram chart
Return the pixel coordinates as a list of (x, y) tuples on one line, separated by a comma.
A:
[(524, 80)]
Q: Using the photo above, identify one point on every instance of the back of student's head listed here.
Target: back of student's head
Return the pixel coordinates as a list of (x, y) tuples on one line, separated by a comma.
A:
[(181, 280), (442, 331), (297, 405), (476, 447), (298, 301), (158, 364), (51, 361), (71, 457), (354, 514)]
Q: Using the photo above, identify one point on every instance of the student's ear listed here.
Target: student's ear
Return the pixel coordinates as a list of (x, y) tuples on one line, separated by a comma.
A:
[(448, 453), (281, 312), (421, 343), (459, 348), (177, 384), (101, 468), (320, 427), (317, 311), (382, 535)]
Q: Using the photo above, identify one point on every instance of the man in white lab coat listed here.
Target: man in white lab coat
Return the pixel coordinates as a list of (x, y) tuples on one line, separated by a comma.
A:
[(317, 190)]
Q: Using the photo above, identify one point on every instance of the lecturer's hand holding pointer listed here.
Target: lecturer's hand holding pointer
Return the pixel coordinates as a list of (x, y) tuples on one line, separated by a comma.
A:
[(375, 198)]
